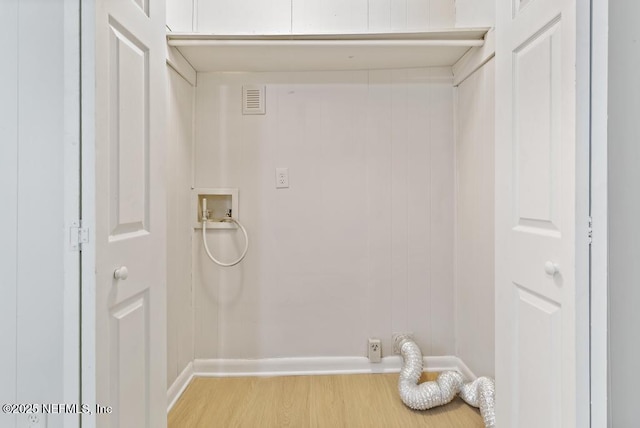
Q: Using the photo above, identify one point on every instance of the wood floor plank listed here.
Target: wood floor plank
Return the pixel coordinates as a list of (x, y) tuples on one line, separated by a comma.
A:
[(326, 403), (369, 400), (273, 403)]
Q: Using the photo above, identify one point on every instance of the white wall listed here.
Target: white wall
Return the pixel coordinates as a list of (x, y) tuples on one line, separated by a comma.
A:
[(474, 298), (475, 13), (180, 343), (360, 245), (308, 16), (179, 15), (623, 211), (34, 244)]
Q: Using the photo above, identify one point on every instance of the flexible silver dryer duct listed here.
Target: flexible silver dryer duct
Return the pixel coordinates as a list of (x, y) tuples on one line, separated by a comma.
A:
[(479, 393)]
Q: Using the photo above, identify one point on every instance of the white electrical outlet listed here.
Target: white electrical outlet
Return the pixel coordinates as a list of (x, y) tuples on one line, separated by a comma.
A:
[(375, 350), (34, 420), (282, 178)]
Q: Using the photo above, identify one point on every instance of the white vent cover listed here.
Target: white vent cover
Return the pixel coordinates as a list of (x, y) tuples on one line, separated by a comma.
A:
[(253, 99)]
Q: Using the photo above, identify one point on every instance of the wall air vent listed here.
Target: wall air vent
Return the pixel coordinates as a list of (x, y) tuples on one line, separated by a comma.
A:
[(253, 101)]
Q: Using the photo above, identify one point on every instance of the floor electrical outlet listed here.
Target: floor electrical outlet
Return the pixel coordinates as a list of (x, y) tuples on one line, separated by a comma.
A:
[(375, 350)]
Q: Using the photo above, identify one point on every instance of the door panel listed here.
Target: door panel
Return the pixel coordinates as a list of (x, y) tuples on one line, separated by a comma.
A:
[(143, 5), (535, 214), (538, 325), (536, 131), (519, 5), (129, 150), (130, 360), (130, 213)]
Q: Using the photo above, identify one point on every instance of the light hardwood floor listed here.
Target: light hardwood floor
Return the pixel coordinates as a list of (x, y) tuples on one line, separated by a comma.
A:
[(369, 401)]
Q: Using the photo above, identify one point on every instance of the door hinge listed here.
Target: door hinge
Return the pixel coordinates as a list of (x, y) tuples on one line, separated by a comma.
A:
[(590, 230), (78, 235)]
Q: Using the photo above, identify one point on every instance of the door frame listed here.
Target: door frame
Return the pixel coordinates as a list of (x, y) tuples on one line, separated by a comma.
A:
[(88, 204), (592, 172), (599, 188), (592, 268), (72, 321), (583, 213)]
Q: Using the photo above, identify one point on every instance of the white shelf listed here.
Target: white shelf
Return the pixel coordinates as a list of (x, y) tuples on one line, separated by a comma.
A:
[(297, 52)]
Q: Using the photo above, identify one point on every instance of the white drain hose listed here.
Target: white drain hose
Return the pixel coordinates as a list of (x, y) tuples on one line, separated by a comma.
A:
[(205, 219), (427, 394), (479, 393)]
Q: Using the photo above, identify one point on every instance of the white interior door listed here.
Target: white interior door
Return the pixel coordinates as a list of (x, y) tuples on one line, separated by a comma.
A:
[(536, 327), (130, 213)]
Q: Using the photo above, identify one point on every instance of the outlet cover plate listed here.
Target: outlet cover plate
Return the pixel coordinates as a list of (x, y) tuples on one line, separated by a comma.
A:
[(374, 350), (33, 420), (282, 178)]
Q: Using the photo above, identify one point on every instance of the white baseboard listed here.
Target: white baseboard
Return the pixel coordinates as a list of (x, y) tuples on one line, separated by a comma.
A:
[(304, 366), (464, 369), (179, 385), (319, 366)]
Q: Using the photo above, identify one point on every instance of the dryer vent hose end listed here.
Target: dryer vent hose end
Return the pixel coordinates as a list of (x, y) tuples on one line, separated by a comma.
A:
[(478, 393)]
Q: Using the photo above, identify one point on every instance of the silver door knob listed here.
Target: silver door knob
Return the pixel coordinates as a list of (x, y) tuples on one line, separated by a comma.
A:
[(121, 273), (551, 268)]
